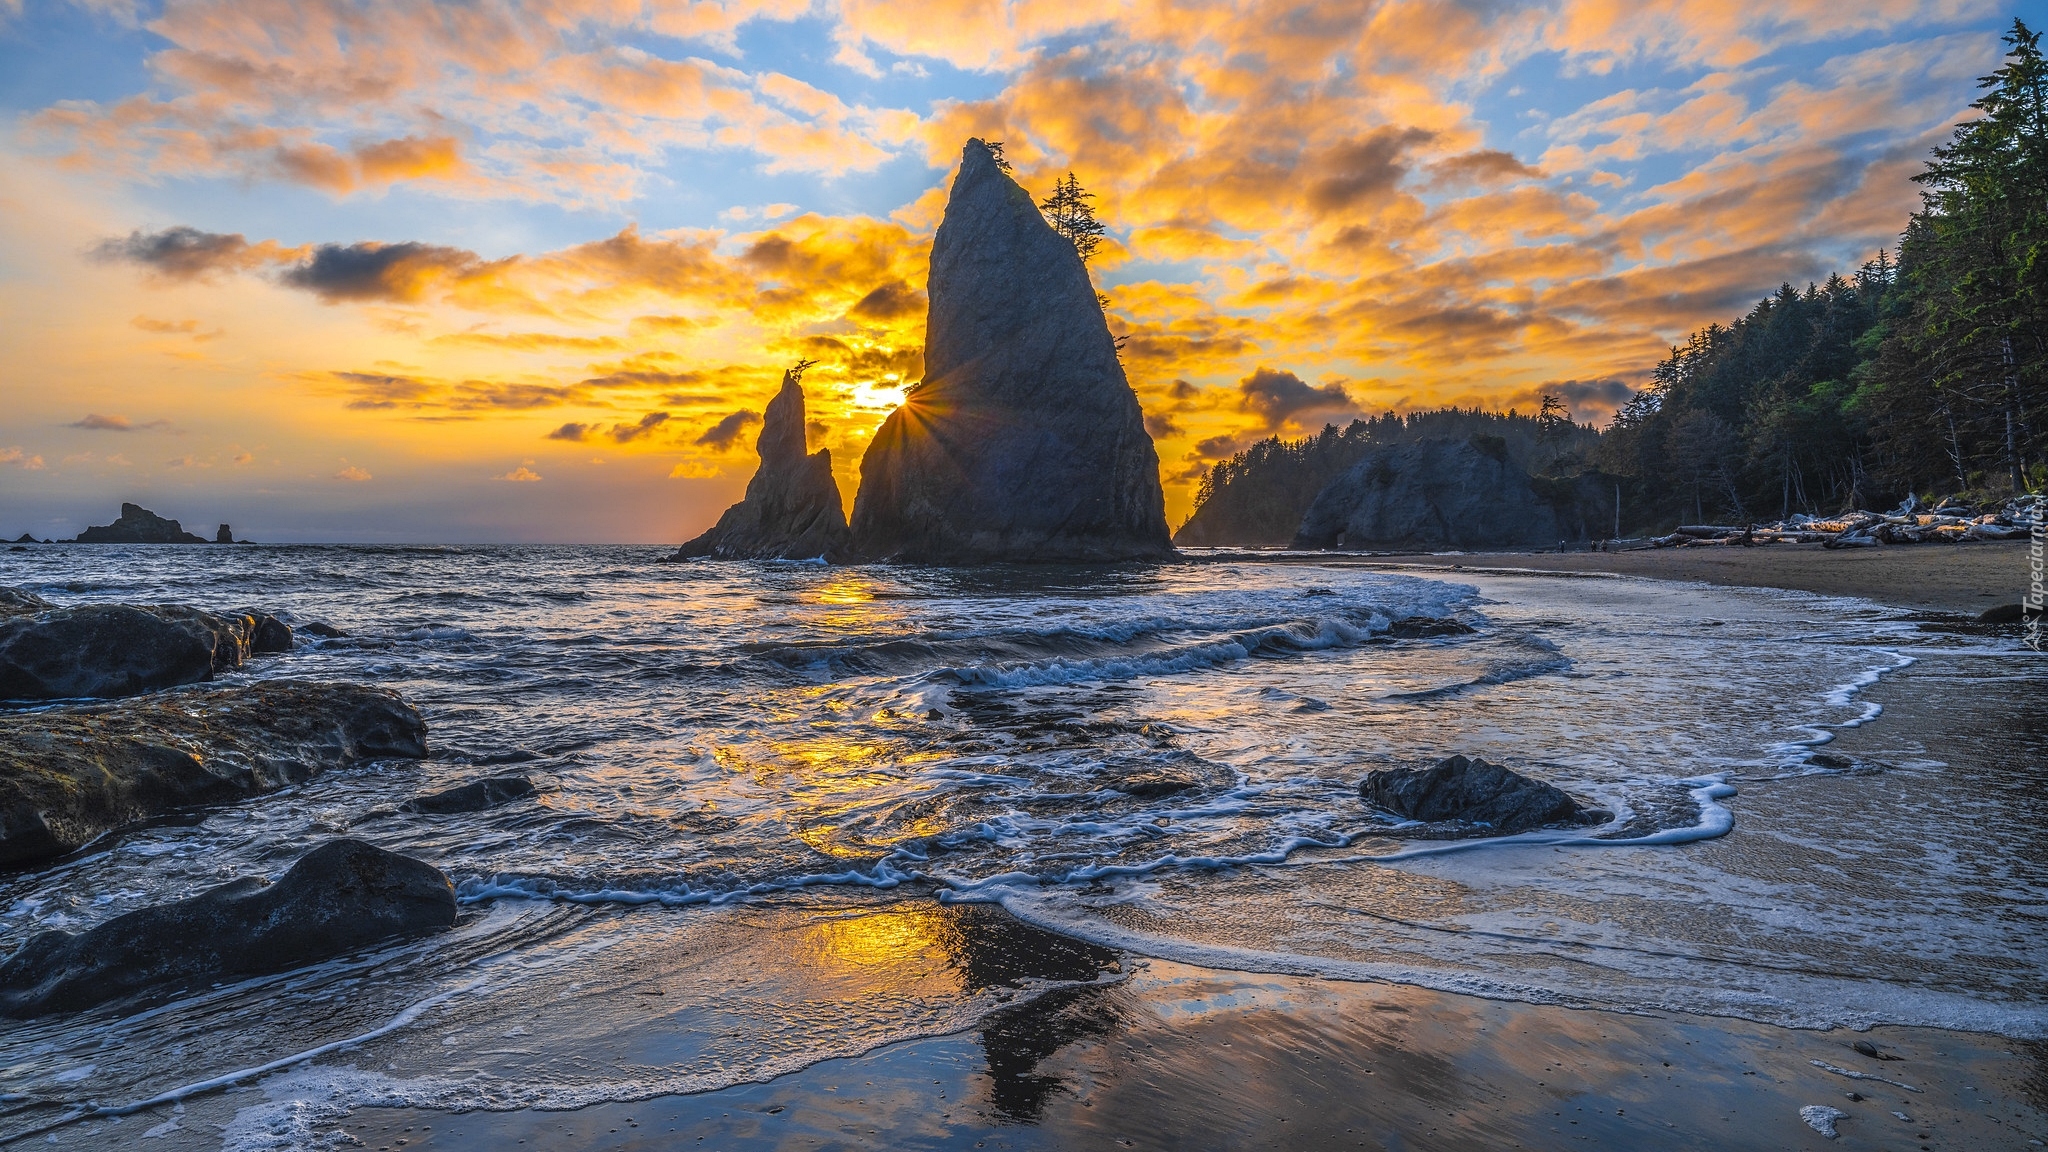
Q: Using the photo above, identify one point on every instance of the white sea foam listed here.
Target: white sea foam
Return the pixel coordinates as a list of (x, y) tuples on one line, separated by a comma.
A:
[(1821, 1119)]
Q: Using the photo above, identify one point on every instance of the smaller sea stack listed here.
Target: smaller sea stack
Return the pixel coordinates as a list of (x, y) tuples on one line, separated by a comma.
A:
[(792, 509)]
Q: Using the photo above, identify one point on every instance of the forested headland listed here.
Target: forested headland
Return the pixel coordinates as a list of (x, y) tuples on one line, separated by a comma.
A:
[(1257, 497), (1920, 373)]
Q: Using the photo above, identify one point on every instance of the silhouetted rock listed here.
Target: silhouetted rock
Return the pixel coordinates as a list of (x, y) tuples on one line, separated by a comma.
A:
[(474, 796), (321, 629), (138, 525), (26, 538), (340, 897), (71, 773), (1475, 792), (792, 509), (1437, 494), (1024, 442), (224, 536)]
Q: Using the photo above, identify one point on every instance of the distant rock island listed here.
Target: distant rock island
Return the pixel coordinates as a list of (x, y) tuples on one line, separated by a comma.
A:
[(1024, 441), (792, 509), (138, 525)]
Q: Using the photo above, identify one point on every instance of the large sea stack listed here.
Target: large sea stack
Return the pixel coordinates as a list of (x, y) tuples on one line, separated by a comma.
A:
[(792, 509), (1023, 442)]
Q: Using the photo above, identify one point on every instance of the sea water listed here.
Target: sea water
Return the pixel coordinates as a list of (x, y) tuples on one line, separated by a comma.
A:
[(785, 808)]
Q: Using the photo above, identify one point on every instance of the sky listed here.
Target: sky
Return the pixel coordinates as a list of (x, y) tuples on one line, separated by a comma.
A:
[(508, 271)]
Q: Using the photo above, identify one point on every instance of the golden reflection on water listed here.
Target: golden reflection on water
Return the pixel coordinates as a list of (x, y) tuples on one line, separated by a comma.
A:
[(892, 939), (845, 589), (849, 600)]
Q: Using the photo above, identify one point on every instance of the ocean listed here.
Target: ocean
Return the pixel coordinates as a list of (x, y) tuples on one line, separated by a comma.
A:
[(792, 812)]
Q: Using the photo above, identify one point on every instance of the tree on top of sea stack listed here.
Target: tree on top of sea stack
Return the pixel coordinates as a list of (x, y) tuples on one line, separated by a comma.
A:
[(792, 509), (1072, 216), (1024, 441)]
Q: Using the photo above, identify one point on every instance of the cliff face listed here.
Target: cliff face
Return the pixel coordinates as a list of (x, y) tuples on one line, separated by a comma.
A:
[(1024, 442), (1431, 494), (792, 509)]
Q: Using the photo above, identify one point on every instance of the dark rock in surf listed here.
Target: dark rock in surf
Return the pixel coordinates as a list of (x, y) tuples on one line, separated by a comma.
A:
[(340, 897), (115, 650), (102, 650), (1474, 792), (1428, 627), (138, 525), (792, 509), (1150, 785), (1023, 442), (267, 634), (475, 796), (321, 629), (26, 538), (15, 602), (71, 773), (1444, 493), (223, 536)]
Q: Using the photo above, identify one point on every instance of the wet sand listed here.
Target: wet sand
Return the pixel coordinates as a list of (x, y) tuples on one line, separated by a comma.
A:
[(1957, 578), (1183, 1057)]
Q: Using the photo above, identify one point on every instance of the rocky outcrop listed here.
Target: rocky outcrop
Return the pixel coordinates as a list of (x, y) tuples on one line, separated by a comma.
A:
[(1473, 792), (1023, 442), (99, 650), (1430, 494), (792, 509), (340, 897), (71, 773), (474, 796), (224, 535), (138, 525)]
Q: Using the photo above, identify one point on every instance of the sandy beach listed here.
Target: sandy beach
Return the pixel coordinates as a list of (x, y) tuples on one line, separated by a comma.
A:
[(1962, 579)]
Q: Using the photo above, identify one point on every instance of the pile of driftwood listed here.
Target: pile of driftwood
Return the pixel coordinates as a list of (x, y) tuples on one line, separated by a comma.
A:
[(1950, 522)]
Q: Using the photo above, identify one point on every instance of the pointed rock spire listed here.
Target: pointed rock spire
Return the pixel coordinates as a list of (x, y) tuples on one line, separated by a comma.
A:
[(1024, 442), (792, 509)]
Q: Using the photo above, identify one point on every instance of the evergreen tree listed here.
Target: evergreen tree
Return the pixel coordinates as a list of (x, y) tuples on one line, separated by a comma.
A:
[(1072, 216)]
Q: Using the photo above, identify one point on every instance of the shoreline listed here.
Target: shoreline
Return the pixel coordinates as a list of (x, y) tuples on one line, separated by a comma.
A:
[(1177, 1056), (1958, 579)]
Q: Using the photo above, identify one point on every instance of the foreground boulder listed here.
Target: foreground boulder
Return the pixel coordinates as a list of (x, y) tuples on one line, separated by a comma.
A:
[(71, 773), (1450, 494), (98, 650), (138, 525), (1024, 442), (792, 509), (341, 896), (1473, 792)]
